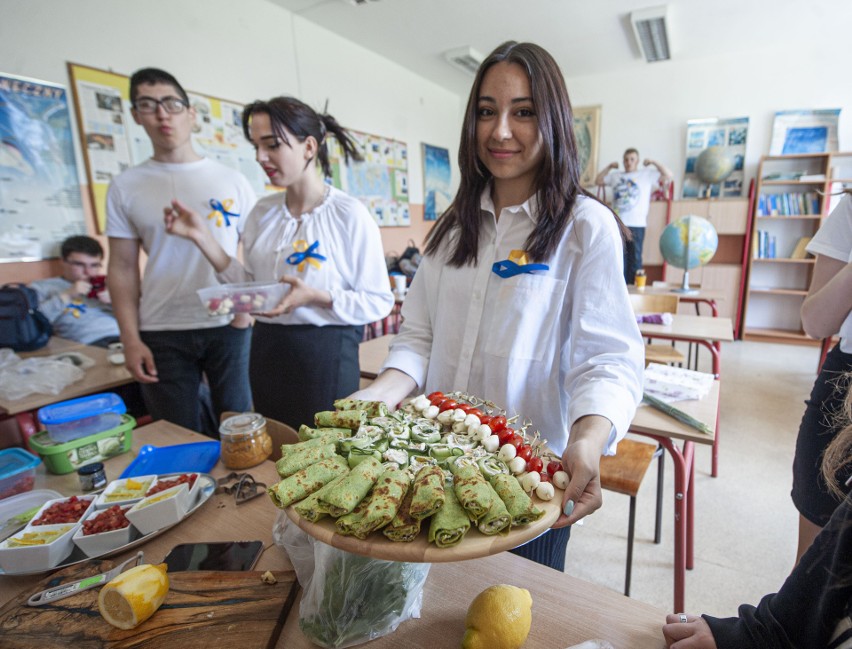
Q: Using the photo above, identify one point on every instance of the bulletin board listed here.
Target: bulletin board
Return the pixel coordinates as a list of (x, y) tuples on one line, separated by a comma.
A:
[(40, 202), (379, 181), (112, 141)]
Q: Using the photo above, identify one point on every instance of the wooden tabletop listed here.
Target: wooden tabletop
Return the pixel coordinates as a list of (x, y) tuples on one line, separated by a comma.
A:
[(371, 355), (100, 377), (695, 294), (219, 519), (654, 422), (692, 327), (565, 610)]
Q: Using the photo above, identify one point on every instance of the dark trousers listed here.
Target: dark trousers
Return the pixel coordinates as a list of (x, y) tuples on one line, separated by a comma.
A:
[(547, 549), (633, 254), (182, 357), (299, 370)]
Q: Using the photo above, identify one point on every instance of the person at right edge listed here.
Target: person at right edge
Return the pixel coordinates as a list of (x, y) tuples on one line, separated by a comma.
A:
[(520, 297), (631, 200), (826, 312)]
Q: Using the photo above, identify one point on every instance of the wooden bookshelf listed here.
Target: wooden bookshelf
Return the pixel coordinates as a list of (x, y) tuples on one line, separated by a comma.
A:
[(792, 197)]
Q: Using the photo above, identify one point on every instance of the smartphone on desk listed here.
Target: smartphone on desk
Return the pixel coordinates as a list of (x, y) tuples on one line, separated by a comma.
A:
[(226, 555)]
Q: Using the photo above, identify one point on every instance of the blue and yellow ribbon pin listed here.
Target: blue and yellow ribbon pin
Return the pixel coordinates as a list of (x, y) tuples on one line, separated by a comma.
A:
[(517, 264), (220, 212), (76, 308), (305, 255)]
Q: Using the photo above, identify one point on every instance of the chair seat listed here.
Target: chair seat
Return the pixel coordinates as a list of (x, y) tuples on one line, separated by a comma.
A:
[(623, 472), (664, 354)]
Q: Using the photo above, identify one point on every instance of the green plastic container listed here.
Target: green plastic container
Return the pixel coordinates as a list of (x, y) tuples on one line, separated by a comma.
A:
[(65, 458)]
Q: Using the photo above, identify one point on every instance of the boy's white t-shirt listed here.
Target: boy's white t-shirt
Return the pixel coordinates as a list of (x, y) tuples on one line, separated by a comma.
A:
[(176, 268), (631, 195)]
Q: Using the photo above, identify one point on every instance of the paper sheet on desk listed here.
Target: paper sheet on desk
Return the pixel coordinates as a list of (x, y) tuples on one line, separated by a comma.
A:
[(671, 384), (19, 378)]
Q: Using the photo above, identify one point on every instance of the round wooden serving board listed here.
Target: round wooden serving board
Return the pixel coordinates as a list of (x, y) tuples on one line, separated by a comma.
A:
[(474, 545)]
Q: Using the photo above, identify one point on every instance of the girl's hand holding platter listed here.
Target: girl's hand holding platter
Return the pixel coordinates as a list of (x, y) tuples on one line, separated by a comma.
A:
[(300, 294)]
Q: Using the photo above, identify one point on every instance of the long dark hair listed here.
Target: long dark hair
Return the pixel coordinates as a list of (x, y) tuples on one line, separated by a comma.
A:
[(557, 181), (302, 121)]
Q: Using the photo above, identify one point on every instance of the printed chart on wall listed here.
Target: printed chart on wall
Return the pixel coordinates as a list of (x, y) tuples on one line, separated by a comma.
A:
[(40, 202), (112, 141), (380, 180), (804, 131), (715, 151)]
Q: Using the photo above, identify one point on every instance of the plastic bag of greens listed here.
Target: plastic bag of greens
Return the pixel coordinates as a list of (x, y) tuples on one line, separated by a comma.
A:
[(349, 599)]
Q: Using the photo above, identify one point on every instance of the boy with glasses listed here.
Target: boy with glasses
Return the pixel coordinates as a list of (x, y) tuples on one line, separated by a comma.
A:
[(77, 303), (169, 339)]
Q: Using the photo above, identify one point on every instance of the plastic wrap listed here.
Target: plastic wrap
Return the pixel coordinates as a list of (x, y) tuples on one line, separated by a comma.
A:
[(35, 375), (349, 599)]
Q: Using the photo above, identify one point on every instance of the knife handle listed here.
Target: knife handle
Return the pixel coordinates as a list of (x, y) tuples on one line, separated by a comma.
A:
[(66, 590)]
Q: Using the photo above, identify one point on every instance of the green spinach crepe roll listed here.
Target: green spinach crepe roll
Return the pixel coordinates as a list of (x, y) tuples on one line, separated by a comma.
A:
[(471, 489), (520, 506), (404, 528), (306, 432), (427, 492), (320, 440), (497, 519), (372, 408), (349, 524), (307, 481), (351, 419), (308, 509), (383, 502), (305, 457), (344, 497), (450, 523)]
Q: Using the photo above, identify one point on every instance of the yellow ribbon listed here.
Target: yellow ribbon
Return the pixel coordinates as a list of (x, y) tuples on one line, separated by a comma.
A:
[(218, 214), (302, 246), (519, 257)]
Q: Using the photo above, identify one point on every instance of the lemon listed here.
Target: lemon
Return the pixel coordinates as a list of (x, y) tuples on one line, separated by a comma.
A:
[(498, 618), (133, 596)]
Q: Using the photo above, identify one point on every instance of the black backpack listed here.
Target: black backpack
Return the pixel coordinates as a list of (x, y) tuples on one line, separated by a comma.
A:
[(22, 326)]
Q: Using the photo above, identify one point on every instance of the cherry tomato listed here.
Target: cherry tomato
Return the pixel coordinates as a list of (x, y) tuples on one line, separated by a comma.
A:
[(465, 408), (553, 466), (438, 400), (534, 463), (448, 404), (545, 477), (505, 435), (477, 412), (486, 419), (517, 441), (498, 423), (525, 451), (434, 394)]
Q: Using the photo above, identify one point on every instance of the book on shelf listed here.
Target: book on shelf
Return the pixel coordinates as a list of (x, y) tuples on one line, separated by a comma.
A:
[(799, 251), (764, 245), (788, 204)]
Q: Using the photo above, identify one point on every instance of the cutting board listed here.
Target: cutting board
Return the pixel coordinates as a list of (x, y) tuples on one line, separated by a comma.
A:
[(202, 610)]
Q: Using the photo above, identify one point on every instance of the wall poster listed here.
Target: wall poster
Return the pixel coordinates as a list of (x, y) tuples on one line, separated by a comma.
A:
[(112, 141), (587, 131), (729, 134), (804, 131), (380, 180), (436, 181), (40, 202)]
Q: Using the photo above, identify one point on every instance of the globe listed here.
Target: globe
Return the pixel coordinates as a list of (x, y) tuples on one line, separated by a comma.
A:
[(688, 242), (713, 165)]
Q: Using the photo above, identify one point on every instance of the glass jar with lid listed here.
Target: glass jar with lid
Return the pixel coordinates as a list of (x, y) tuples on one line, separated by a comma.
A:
[(244, 440)]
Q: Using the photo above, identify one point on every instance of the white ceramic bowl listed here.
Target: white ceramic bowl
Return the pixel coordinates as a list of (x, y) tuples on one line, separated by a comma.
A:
[(160, 510), (125, 491), (251, 297), (97, 544), (87, 501), (25, 558), (168, 480)]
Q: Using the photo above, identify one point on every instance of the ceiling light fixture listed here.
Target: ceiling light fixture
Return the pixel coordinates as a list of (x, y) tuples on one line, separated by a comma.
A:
[(466, 59), (650, 29)]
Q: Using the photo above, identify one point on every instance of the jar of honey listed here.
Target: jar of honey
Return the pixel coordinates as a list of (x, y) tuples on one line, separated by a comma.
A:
[(244, 440)]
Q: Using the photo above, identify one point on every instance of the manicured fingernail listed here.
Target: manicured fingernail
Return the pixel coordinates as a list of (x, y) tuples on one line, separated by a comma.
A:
[(569, 508)]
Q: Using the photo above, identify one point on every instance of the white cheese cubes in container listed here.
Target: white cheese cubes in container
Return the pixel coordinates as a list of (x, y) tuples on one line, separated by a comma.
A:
[(250, 297)]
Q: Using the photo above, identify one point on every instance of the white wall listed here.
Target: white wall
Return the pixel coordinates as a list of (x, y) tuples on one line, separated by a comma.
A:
[(241, 51), (647, 105)]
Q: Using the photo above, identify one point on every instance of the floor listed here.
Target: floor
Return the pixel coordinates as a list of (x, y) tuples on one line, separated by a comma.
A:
[(745, 522)]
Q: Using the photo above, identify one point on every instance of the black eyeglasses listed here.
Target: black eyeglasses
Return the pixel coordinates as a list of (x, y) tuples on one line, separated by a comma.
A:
[(170, 104)]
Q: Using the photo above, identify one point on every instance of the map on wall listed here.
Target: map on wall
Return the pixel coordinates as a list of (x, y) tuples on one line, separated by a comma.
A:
[(112, 141), (40, 202), (727, 137), (379, 181)]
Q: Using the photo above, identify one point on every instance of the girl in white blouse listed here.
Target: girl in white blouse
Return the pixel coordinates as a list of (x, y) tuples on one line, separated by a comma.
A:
[(321, 242), (520, 297)]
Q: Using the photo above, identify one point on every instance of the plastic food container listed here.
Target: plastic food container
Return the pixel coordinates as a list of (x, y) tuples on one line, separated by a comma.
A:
[(96, 544), (65, 458), (70, 420), (245, 442), (160, 510), (251, 297), (17, 471), (37, 548)]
